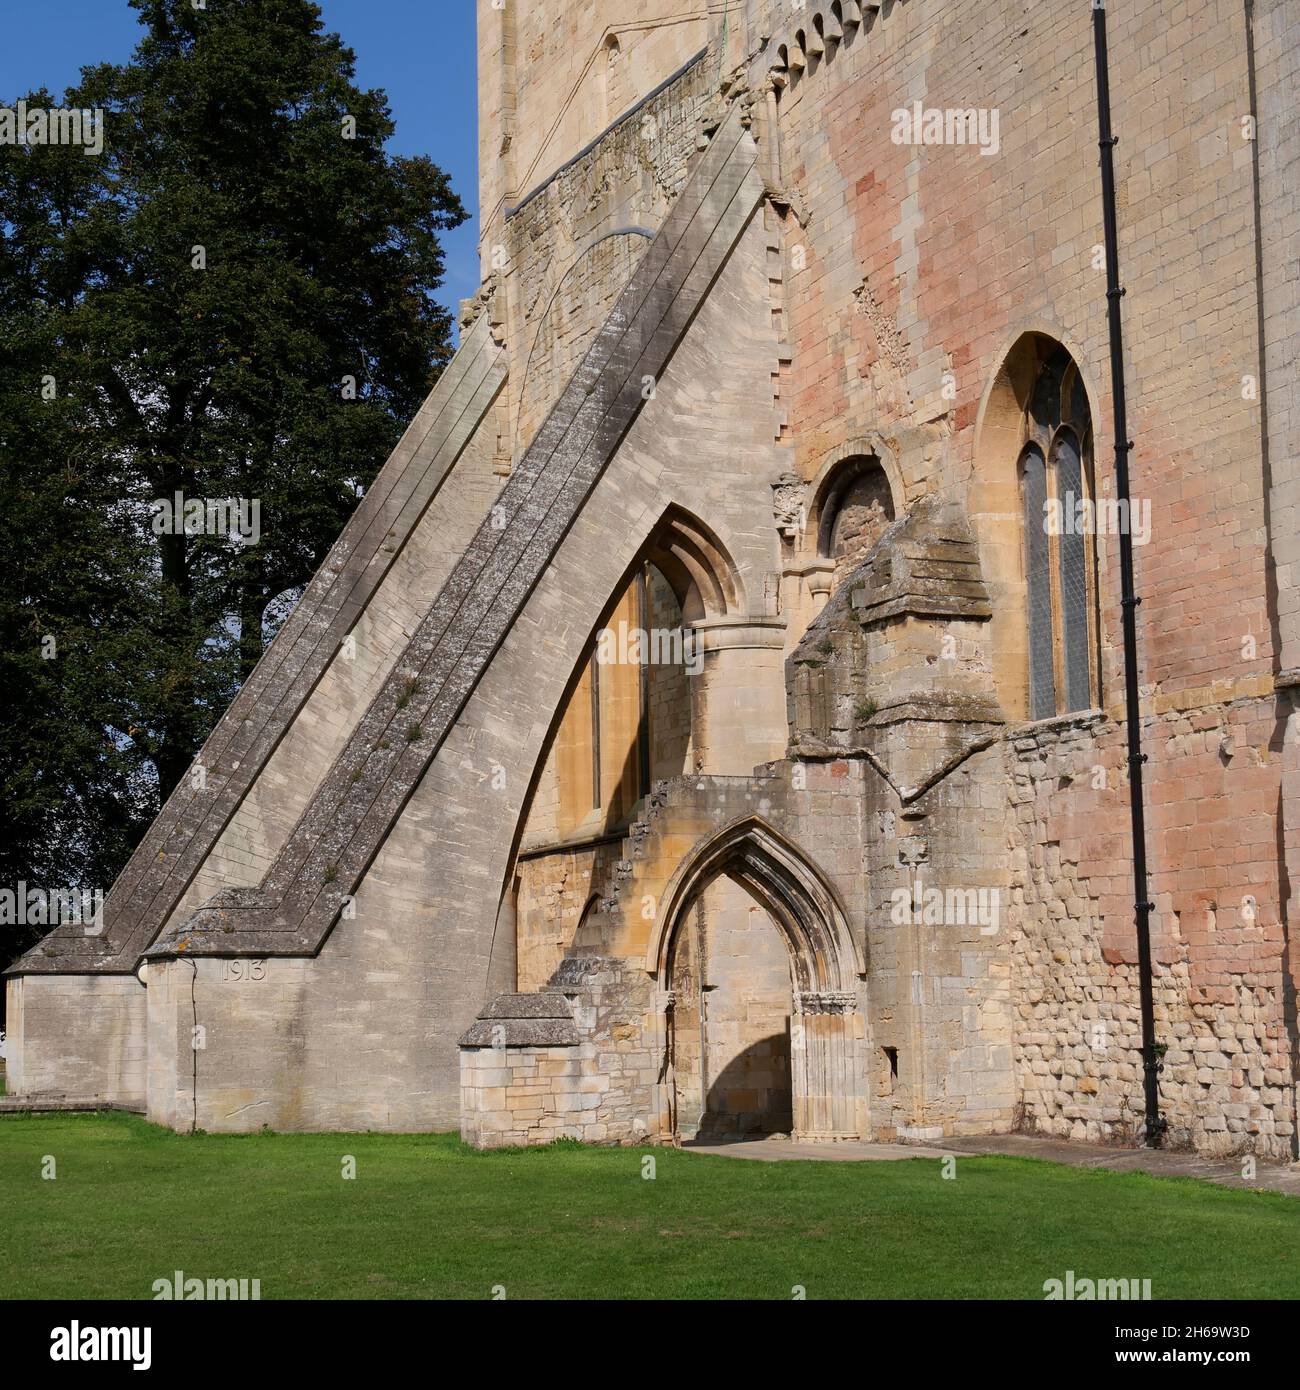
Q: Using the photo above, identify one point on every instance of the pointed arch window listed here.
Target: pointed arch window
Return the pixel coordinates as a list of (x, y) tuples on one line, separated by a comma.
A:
[(1038, 576), (1060, 559), (1072, 570)]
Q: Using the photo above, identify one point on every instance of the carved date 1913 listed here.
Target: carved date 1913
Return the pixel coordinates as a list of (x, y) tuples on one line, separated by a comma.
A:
[(243, 970)]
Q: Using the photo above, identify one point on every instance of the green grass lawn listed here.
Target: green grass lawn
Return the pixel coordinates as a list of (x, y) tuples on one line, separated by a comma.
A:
[(426, 1217)]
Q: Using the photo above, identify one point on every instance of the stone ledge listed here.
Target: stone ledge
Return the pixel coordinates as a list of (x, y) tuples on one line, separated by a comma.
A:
[(42, 1105), (526, 1006), (523, 1020)]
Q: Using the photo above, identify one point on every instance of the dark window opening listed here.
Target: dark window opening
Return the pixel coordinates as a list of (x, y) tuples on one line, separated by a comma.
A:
[(891, 1069)]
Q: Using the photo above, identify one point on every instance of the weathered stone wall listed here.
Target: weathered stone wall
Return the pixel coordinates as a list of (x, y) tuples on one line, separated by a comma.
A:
[(861, 516), (553, 75), (554, 889), (566, 252), (939, 967), (1275, 49), (910, 272), (526, 1095), (523, 1088), (1276, 36), (78, 1035), (877, 303), (918, 267), (937, 992), (1220, 994)]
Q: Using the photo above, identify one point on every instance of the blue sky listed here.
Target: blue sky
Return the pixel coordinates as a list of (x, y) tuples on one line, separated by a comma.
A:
[(421, 52)]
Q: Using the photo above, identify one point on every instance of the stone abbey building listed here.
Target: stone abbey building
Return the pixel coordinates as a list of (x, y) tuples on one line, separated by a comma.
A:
[(711, 720)]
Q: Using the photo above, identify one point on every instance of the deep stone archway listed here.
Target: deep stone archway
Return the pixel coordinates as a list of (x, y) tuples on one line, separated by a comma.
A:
[(826, 1071)]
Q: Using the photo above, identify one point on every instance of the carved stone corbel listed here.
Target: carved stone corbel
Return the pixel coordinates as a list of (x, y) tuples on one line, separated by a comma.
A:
[(789, 505)]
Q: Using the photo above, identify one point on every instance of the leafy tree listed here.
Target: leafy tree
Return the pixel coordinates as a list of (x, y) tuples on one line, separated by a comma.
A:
[(231, 301)]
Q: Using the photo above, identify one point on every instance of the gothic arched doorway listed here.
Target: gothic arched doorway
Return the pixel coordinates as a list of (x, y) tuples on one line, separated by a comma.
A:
[(823, 1035)]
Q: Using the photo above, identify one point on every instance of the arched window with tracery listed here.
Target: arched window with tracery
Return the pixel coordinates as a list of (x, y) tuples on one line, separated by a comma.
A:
[(1055, 475)]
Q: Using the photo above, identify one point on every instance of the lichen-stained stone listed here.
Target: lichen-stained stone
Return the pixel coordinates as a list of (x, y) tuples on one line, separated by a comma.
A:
[(275, 694), (339, 832), (523, 1020)]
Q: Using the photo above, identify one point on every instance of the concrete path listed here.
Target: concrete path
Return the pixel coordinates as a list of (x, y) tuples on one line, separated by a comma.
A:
[(1269, 1177), (773, 1150)]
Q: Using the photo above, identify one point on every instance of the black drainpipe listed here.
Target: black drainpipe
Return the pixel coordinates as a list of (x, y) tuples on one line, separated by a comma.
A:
[(1155, 1123)]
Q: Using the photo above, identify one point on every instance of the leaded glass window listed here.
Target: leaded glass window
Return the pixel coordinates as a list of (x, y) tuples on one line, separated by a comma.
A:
[(1059, 542), (1042, 680)]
